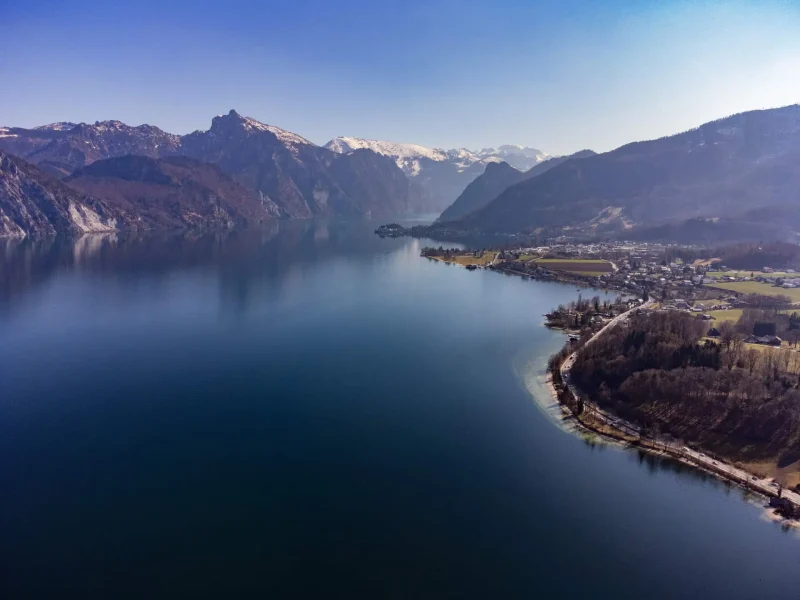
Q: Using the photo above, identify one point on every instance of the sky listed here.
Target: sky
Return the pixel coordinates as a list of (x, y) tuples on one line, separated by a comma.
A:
[(559, 76)]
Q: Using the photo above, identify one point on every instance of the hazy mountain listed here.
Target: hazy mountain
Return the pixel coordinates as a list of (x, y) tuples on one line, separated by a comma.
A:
[(495, 179), (61, 149), (733, 168), (59, 126), (293, 176), (443, 174), (520, 157), (303, 179), (546, 165), (34, 203), (23, 142), (172, 192)]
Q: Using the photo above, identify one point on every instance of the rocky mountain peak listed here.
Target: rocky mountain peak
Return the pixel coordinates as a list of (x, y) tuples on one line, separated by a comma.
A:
[(498, 167)]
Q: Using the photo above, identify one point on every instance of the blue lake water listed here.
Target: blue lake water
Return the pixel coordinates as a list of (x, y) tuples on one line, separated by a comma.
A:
[(311, 411)]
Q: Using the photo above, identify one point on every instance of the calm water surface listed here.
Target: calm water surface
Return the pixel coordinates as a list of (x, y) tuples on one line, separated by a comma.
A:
[(310, 411)]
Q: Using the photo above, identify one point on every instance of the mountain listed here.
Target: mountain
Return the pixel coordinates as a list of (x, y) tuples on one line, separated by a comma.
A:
[(546, 165), (172, 192), (23, 142), (443, 174), (495, 179), (61, 148), (291, 175), (520, 157), (733, 169), (34, 203), (59, 126), (83, 144), (303, 179)]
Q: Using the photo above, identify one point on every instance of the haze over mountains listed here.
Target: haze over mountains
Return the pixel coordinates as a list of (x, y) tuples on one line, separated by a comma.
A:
[(443, 174), (280, 174), (495, 179), (738, 175)]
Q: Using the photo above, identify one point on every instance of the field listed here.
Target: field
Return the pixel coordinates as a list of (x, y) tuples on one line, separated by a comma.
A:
[(755, 287), (721, 316), (578, 266), (468, 259), (718, 274)]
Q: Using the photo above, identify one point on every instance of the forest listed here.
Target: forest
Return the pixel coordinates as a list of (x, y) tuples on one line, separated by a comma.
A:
[(744, 256), (740, 402)]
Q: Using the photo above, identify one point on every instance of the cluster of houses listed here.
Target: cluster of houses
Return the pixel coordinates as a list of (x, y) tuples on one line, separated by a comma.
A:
[(639, 266)]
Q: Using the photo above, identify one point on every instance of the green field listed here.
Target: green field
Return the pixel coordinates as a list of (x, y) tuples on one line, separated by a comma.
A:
[(718, 274), (755, 287), (577, 266), (721, 316)]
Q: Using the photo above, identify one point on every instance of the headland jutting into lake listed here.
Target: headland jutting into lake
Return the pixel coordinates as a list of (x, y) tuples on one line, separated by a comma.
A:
[(625, 350)]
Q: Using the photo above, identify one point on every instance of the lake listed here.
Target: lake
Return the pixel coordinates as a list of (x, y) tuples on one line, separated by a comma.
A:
[(310, 411)]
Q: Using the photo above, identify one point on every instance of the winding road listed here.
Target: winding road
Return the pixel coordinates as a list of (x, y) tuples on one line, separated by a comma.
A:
[(683, 453)]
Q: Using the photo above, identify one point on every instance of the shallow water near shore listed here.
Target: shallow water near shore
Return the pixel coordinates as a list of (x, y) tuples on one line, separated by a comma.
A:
[(309, 410)]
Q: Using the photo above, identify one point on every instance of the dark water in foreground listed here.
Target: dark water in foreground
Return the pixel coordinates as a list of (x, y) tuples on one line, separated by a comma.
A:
[(314, 412)]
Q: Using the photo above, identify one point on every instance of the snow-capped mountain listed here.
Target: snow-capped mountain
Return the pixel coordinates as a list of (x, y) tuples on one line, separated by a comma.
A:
[(303, 179), (61, 148), (521, 158), (59, 126), (291, 140), (444, 174)]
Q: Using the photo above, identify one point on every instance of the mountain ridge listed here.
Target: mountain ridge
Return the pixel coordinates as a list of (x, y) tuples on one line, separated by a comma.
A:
[(723, 169), (496, 179), (301, 179), (172, 192), (443, 174), (34, 203)]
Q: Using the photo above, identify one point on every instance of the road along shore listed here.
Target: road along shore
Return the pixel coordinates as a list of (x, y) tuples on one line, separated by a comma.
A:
[(595, 419)]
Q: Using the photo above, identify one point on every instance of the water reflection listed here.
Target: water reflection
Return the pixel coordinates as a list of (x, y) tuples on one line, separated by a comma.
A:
[(243, 259)]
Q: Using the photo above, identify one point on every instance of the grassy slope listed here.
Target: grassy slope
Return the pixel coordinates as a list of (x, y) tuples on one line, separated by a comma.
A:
[(718, 274), (755, 287)]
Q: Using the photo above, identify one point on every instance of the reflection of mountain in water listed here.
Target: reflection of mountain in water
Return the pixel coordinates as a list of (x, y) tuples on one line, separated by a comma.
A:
[(241, 258)]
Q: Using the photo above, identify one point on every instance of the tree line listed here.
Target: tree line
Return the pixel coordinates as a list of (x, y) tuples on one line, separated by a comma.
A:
[(740, 402)]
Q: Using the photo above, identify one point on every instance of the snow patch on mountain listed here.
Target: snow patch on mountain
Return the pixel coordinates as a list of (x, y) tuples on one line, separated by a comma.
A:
[(58, 126), (405, 152), (408, 156), (292, 140)]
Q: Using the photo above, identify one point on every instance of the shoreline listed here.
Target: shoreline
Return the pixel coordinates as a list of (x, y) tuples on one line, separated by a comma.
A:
[(615, 431), (612, 430)]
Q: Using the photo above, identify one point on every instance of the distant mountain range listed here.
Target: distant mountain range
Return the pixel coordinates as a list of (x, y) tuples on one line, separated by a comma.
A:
[(34, 203), (494, 180), (243, 171), (279, 173), (737, 175), (172, 192), (443, 174)]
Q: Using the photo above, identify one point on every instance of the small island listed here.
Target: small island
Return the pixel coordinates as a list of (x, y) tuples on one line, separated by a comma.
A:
[(391, 230)]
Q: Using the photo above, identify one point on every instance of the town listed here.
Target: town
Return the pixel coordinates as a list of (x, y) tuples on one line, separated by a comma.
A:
[(707, 288)]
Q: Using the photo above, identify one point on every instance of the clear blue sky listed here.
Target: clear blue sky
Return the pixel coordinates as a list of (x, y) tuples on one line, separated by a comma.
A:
[(560, 76)]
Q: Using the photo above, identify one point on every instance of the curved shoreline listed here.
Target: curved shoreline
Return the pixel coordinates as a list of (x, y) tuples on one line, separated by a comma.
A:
[(598, 421)]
